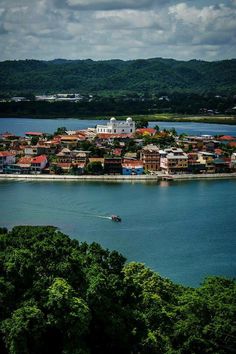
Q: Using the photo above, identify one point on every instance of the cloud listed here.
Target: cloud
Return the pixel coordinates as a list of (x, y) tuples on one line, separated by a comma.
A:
[(106, 4), (126, 29)]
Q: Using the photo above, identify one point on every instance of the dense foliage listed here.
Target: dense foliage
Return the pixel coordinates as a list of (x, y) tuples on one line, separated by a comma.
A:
[(61, 296), (150, 75)]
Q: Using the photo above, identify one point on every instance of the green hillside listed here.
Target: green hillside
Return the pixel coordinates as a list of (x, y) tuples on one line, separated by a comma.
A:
[(117, 76), (60, 296)]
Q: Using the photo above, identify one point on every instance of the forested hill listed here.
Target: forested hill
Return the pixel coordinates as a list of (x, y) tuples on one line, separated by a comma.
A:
[(64, 297), (117, 76)]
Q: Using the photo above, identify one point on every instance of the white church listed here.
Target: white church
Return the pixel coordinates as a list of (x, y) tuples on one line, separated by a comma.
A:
[(117, 127)]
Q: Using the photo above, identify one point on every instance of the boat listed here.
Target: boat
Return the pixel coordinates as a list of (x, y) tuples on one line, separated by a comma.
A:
[(116, 218)]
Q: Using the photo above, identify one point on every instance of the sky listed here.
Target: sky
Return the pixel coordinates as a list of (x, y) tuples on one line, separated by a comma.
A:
[(121, 29)]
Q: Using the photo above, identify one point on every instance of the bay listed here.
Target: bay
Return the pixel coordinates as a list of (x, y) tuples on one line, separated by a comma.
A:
[(183, 230), (21, 125)]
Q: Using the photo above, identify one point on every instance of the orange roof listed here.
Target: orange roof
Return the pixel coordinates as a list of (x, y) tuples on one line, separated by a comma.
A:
[(132, 163), (6, 153), (34, 133), (219, 151), (146, 130), (39, 159), (232, 144), (25, 160), (226, 137)]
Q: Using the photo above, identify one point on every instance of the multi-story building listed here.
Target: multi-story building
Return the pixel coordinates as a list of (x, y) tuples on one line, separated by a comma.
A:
[(207, 158), (6, 158), (150, 157), (117, 127), (173, 160), (112, 165)]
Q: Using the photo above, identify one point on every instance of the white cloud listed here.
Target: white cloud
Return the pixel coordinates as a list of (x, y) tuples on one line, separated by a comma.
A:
[(48, 29)]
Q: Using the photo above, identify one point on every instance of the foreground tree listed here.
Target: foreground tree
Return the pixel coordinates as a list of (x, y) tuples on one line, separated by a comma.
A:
[(64, 297)]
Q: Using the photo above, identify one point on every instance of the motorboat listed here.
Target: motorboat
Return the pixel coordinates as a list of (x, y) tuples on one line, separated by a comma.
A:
[(116, 218)]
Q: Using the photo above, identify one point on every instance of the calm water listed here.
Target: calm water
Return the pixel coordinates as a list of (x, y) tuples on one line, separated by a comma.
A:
[(184, 230), (21, 125)]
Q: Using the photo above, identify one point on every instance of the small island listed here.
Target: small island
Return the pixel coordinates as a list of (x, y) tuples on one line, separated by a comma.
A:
[(117, 150)]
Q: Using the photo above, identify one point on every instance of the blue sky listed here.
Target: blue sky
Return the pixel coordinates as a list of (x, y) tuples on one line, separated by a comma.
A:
[(124, 29)]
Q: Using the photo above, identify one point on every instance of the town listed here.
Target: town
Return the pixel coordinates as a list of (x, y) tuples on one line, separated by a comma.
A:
[(117, 148)]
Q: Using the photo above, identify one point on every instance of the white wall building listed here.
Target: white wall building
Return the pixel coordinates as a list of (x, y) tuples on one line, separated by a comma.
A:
[(117, 127), (6, 158)]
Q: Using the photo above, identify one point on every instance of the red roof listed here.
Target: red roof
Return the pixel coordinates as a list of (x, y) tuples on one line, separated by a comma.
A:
[(232, 144), (34, 133), (39, 159), (132, 163), (117, 152), (150, 131), (6, 153), (226, 137), (218, 151)]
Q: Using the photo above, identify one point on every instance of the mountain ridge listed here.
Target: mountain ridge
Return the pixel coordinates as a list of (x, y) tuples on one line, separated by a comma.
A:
[(118, 76)]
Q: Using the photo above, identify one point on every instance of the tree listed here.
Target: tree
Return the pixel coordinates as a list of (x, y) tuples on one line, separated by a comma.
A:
[(23, 330), (142, 123), (60, 131), (94, 168)]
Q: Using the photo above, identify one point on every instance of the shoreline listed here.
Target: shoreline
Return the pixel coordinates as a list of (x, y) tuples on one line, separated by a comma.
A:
[(222, 120), (117, 178)]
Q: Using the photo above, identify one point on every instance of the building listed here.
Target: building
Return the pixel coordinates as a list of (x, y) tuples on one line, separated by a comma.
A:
[(38, 163), (132, 167), (112, 165), (233, 161), (150, 157), (6, 158), (207, 158), (173, 160), (117, 127)]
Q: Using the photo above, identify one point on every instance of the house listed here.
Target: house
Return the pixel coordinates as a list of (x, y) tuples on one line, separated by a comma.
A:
[(194, 165), (233, 161), (113, 165), (6, 158), (38, 163), (173, 160), (207, 158), (117, 127), (150, 157), (132, 167), (23, 165)]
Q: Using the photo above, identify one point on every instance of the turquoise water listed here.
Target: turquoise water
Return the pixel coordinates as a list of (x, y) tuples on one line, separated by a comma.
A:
[(184, 230), (21, 125)]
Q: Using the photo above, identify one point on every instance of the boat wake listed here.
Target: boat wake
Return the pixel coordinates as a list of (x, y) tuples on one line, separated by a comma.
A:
[(103, 217)]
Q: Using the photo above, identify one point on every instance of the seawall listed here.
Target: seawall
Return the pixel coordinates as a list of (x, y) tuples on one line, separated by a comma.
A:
[(117, 178)]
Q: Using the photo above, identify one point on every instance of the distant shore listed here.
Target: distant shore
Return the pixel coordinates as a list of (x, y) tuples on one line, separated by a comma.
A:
[(117, 178), (169, 117)]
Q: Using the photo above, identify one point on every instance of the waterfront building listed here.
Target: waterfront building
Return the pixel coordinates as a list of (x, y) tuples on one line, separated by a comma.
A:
[(150, 157), (173, 160), (117, 127), (132, 167), (38, 163), (113, 165), (207, 158), (233, 161), (6, 158)]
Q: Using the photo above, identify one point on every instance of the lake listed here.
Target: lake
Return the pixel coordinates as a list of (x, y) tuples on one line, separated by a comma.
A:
[(183, 230), (21, 125)]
